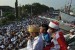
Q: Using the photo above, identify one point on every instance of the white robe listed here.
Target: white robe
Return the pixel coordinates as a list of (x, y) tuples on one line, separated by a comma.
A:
[(36, 44), (59, 41)]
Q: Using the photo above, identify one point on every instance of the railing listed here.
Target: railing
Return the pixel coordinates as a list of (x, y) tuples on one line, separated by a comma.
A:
[(23, 49)]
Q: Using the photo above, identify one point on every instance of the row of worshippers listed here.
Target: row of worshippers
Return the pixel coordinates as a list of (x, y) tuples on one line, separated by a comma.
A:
[(46, 37)]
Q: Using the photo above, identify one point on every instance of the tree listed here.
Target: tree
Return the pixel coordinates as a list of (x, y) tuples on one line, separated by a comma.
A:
[(10, 17), (3, 21), (51, 9), (5, 14), (35, 8), (39, 8)]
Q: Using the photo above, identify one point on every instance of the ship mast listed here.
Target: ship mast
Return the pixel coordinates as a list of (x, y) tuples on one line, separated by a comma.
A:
[(70, 6)]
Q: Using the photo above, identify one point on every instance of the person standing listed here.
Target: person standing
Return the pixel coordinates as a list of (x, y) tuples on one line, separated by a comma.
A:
[(58, 41), (35, 42), (45, 36)]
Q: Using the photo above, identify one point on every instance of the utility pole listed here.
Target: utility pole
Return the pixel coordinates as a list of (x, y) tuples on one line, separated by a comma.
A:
[(70, 6), (1, 13), (31, 10), (16, 8)]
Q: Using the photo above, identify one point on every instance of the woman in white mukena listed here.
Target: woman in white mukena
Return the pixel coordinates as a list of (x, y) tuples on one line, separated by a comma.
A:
[(35, 42)]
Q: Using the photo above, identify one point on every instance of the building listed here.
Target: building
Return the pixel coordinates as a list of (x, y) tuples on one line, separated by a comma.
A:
[(5, 9)]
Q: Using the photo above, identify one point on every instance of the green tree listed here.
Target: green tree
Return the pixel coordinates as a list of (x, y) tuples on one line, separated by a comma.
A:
[(3, 21), (5, 14), (39, 8), (35, 8), (10, 17), (51, 9)]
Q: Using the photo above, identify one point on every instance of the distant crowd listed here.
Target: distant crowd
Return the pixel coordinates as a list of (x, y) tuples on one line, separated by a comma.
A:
[(13, 36)]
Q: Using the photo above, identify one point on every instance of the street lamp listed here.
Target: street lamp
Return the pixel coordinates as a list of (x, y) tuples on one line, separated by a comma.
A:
[(32, 9)]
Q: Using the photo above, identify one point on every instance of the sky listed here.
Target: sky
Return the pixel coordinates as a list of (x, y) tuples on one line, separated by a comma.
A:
[(51, 3)]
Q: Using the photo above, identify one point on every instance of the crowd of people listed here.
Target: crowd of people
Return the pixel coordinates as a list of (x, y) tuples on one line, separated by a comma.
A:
[(34, 34), (13, 36)]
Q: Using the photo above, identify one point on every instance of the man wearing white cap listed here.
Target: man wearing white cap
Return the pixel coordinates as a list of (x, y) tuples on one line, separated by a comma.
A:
[(58, 41)]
